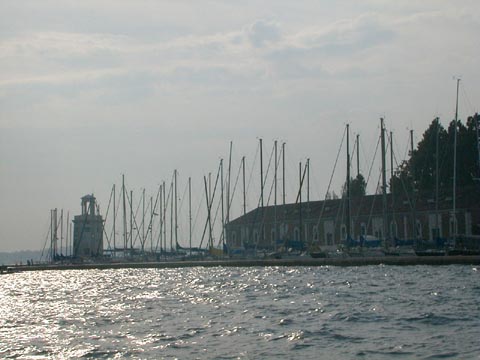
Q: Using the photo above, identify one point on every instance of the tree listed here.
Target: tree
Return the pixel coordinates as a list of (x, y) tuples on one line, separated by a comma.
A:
[(420, 171), (358, 187)]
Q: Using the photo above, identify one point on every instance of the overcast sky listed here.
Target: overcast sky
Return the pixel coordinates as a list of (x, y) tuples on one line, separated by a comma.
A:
[(90, 90)]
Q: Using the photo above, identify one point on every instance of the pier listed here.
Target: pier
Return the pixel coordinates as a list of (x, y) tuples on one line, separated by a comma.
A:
[(350, 261)]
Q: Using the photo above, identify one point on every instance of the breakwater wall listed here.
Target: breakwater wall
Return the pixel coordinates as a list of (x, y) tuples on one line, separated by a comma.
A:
[(349, 261)]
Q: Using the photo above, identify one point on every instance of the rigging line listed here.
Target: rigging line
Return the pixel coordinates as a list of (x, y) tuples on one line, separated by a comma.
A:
[(209, 204), (46, 239), (370, 216), (403, 184), (150, 224), (106, 217), (331, 177), (235, 185), (466, 99), (197, 214), (260, 198), (252, 168), (181, 204), (134, 221)]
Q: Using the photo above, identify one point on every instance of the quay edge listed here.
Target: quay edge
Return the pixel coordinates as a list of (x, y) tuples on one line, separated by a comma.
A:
[(353, 261)]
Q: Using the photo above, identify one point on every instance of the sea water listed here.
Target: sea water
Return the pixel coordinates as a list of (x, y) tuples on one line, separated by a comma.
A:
[(371, 312)]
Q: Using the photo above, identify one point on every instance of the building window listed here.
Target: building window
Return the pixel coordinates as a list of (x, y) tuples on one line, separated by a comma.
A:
[(315, 233), (255, 236), (329, 239), (363, 229), (419, 229), (453, 225), (296, 234), (393, 229), (468, 224)]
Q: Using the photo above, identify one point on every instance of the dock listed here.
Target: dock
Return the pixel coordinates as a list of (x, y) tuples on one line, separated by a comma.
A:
[(348, 261)]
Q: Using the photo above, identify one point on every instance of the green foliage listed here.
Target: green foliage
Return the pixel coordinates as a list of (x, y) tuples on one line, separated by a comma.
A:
[(358, 187), (420, 170)]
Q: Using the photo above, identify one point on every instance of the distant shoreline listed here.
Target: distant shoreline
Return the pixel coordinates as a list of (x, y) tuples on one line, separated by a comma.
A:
[(352, 261)]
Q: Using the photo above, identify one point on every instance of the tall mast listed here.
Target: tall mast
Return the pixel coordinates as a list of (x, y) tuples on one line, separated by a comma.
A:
[(244, 189), (131, 222), (114, 221), (283, 170), (414, 220), (229, 183), (61, 230), (384, 181), (261, 172), (392, 230), (222, 201), (176, 211), (348, 184), (150, 226), (358, 155), (437, 230), (164, 217), (454, 214), (275, 199), (308, 181), (190, 213), (300, 199), (171, 216), (143, 220), (160, 216), (124, 216), (67, 233)]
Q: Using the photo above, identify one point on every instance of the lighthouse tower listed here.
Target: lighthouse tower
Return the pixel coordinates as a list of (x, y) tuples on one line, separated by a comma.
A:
[(88, 230)]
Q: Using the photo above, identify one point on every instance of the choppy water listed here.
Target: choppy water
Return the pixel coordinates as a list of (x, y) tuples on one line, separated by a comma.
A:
[(372, 312)]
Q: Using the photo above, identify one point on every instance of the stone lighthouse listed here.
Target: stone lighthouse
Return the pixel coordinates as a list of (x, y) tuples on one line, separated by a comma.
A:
[(88, 230)]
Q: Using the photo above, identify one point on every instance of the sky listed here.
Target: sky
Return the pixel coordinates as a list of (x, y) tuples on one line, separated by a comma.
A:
[(91, 90)]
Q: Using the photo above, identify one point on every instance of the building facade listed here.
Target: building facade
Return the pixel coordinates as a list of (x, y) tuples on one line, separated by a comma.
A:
[(324, 223)]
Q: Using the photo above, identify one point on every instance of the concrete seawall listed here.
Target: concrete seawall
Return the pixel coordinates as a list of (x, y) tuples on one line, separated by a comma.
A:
[(352, 261)]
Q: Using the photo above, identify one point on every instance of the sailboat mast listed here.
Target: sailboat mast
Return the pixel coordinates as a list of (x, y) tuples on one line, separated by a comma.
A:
[(150, 226), (114, 221), (244, 189), (176, 211), (164, 210), (222, 201), (261, 171), (454, 215), (392, 230), (61, 230), (124, 215), (190, 213), (300, 199), (131, 223), (437, 229), (283, 170), (384, 182), (229, 183), (275, 199), (358, 155), (414, 220), (348, 184), (308, 181), (171, 216), (143, 220)]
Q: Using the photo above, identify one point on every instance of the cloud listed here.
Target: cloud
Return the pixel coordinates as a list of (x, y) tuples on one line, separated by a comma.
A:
[(262, 32)]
